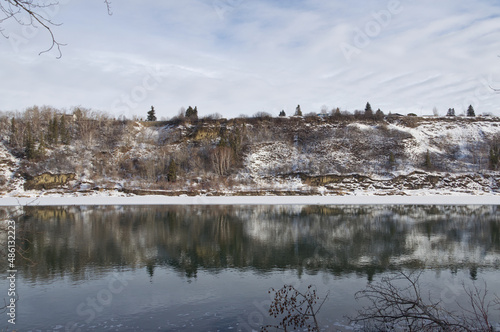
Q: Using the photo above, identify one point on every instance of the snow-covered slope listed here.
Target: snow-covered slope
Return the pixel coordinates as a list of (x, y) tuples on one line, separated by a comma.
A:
[(10, 181), (453, 155), (401, 155), (363, 148)]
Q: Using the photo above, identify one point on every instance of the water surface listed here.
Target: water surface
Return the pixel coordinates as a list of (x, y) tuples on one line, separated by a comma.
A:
[(163, 268)]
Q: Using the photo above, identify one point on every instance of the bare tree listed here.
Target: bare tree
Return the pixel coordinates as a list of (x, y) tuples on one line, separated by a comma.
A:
[(34, 13), (222, 157), (392, 306), (297, 310)]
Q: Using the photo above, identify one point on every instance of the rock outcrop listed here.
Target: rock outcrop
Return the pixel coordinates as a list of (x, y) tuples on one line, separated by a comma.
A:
[(48, 181)]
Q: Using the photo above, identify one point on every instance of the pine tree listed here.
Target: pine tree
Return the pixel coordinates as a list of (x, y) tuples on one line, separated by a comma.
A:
[(282, 113), (235, 142), (29, 144), (63, 131), (298, 111), (53, 131), (172, 171), (470, 111), (223, 141), (451, 112), (40, 152), (13, 131), (392, 159), (494, 157), (428, 162), (192, 112), (368, 111), (379, 115), (151, 114)]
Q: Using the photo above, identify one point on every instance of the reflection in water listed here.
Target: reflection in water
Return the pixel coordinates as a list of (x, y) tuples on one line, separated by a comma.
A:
[(78, 242)]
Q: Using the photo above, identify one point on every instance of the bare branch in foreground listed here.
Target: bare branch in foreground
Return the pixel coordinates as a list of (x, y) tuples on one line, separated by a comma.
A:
[(296, 310), (403, 307), (34, 13)]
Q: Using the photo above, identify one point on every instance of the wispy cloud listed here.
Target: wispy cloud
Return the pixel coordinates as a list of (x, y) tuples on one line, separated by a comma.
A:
[(243, 56)]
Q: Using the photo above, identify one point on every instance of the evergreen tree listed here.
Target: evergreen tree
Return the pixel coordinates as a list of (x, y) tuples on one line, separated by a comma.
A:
[(40, 152), (53, 131), (298, 111), (368, 111), (13, 131), (151, 115), (451, 112), (379, 115), (282, 113), (172, 171), (63, 131), (392, 159), (494, 157), (223, 141), (470, 111), (29, 144), (192, 112), (428, 161), (235, 142)]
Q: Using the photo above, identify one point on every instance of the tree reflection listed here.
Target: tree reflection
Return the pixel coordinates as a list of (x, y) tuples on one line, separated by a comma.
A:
[(82, 241)]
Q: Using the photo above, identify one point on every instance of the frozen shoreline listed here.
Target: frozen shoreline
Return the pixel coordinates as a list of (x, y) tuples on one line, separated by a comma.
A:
[(60, 200)]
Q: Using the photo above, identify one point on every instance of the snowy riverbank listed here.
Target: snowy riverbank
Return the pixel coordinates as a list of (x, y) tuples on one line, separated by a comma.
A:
[(419, 198)]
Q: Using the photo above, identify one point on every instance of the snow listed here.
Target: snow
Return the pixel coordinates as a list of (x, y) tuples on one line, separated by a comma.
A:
[(420, 198), (428, 135), (8, 168), (354, 152)]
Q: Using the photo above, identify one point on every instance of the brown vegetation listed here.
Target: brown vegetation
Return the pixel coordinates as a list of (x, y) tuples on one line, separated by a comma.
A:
[(210, 151)]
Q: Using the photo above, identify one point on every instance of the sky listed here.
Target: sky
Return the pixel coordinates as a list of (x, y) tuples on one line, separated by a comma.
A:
[(238, 57)]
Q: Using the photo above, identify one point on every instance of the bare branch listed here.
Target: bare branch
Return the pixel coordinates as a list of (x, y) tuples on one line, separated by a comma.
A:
[(31, 13), (295, 309), (391, 306), (108, 6)]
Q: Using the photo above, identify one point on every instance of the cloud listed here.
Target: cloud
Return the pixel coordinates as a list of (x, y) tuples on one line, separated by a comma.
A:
[(240, 56)]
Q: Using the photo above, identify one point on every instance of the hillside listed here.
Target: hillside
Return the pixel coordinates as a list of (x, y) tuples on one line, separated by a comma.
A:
[(44, 151)]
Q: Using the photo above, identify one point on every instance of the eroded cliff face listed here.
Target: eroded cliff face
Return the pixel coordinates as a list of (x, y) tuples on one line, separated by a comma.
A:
[(204, 134), (48, 181), (418, 180), (263, 156)]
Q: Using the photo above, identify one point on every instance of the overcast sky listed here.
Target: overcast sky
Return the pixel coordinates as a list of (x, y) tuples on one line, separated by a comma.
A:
[(247, 56)]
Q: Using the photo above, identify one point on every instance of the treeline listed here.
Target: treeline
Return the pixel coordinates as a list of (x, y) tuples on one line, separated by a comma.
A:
[(368, 114), (210, 151), (99, 148), (30, 133)]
